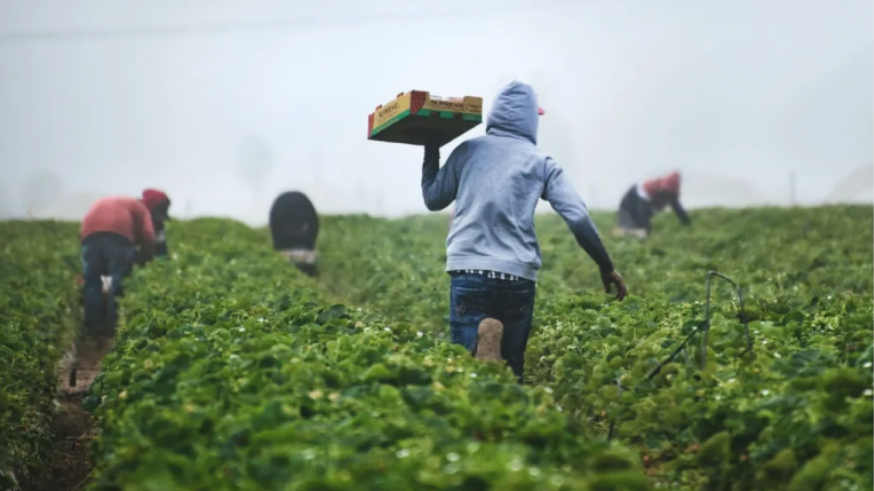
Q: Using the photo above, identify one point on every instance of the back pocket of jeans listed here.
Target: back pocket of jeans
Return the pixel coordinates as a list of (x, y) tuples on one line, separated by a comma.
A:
[(467, 305)]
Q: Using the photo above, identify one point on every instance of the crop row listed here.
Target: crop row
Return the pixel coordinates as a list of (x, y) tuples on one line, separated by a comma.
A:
[(232, 371), (794, 413), (38, 316)]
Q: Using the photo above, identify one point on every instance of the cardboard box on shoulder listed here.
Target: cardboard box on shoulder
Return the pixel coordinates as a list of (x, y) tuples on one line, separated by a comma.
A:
[(417, 115)]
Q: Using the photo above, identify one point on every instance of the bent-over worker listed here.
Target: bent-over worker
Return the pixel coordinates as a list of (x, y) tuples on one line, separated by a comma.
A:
[(111, 231), (158, 204), (645, 199), (294, 227)]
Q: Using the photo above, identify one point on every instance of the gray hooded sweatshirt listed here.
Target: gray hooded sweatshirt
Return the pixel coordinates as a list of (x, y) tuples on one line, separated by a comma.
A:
[(497, 180)]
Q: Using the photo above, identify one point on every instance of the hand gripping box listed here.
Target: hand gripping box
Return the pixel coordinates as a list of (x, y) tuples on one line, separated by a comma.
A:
[(415, 116)]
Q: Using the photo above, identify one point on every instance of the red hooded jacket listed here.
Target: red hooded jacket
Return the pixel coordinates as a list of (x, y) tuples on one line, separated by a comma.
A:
[(153, 198), (669, 183), (120, 215)]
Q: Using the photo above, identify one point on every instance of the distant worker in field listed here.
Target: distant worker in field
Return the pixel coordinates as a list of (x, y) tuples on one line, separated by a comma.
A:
[(646, 199), (294, 226), (111, 232), (158, 204), (493, 256)]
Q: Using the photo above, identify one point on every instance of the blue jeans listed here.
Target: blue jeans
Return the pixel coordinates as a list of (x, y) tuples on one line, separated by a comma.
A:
[(104, 254), (474, 297)]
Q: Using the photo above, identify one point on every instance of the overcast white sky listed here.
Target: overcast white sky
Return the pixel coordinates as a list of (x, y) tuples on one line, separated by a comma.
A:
[(104, 97)]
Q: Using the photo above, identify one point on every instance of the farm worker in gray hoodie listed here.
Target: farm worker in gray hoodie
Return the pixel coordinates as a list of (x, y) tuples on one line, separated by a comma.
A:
[(493, 257)]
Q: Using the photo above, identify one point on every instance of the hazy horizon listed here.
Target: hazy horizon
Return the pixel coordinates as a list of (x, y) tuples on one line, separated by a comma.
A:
[(226, 104)]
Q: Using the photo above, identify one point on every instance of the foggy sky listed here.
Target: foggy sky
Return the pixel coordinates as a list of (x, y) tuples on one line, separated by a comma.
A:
[(106, 97)]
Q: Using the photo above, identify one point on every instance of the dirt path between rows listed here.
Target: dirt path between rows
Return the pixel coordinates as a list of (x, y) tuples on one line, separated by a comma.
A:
[(68, 466)]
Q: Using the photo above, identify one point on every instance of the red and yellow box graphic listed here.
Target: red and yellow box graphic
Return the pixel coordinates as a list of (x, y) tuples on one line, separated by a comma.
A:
[(416, 116)]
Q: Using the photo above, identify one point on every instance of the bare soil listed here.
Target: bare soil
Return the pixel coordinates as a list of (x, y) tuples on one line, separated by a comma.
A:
[(68, 464)]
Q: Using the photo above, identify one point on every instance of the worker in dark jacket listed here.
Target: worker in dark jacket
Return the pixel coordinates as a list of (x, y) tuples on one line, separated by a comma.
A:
[(158, 204), (646, 199), (294, 226)]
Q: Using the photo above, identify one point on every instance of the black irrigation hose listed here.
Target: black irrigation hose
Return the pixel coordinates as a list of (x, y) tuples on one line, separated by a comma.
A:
[(704, 328), (742, 311)]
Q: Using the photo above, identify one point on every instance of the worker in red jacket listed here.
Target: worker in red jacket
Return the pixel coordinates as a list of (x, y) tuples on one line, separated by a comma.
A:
[(158, 204), (645, 199), (112, 230)]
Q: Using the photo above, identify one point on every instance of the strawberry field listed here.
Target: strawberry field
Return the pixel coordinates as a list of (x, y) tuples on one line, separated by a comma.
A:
[(794, 413), (38, 316), (234, 372)]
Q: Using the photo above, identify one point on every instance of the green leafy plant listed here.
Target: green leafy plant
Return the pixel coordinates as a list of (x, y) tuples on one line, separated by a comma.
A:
[(795, 415), (38, 316), (233, 372)]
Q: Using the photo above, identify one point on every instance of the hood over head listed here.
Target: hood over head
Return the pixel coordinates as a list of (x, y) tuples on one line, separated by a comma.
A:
[(671, 182), (665, 184), (153, 199), (515, 112)]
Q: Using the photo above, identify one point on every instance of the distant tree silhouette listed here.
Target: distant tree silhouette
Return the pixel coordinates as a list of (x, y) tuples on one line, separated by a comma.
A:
[(40, 189)]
